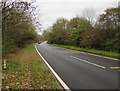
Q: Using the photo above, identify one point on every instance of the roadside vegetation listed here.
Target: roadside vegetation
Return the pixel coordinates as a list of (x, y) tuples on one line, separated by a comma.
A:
[(25, 70), (17, 25), (83, 35), (93, 51)]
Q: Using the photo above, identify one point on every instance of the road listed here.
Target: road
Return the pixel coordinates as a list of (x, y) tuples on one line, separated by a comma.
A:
[(81, 70)]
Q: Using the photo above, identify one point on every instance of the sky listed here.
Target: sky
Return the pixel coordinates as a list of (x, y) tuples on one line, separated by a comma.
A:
[(50, 10)]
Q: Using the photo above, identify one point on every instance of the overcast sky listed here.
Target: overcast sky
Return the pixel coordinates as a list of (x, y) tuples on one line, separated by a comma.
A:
[(50, 10)]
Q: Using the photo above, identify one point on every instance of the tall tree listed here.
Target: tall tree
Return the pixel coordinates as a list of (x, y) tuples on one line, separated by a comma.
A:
[(110, 23), (76, 27), (89, 14), (58, 33), (17, 27)]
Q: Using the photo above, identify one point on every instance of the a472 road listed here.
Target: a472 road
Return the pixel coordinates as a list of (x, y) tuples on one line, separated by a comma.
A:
[(81, 70)]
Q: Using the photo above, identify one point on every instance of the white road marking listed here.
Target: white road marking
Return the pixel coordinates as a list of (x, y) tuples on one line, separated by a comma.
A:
[(56, 75), (88, 62), (99, 56), (103, 56), (116, 59)]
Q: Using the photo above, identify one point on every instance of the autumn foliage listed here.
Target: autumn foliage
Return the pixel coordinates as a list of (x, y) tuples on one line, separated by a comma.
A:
[(103, 35)]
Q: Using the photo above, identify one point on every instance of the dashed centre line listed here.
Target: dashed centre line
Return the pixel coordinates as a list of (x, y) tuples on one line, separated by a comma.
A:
[(69, 52), (89, 62)]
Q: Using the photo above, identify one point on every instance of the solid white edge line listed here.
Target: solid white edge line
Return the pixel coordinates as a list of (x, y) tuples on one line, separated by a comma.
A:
[(88, 62), (104, 57), (116, 59), (99, 55), (56, 75)]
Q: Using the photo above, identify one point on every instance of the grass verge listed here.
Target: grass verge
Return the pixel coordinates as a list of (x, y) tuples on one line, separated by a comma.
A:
[(26, 70), (98, 52)]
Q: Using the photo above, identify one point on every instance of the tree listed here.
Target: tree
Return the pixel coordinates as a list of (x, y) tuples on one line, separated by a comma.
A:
[(109, 22), (80, 32), (93, 39), (45, 35), (17, 27), (76, 27), (58, 33), (89, 14)]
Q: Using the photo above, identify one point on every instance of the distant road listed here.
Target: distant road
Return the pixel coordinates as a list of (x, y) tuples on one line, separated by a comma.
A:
[(81, 70)]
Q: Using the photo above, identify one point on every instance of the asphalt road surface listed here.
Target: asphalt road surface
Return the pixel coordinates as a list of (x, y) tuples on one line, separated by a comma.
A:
[(81, 70)]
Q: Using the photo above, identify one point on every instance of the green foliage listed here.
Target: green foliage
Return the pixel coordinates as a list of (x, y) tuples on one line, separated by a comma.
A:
[(45, 35), (17, 27), (79, 32), (76, 27), (92, 39), (68, 32), (59, 32), (109, 24)]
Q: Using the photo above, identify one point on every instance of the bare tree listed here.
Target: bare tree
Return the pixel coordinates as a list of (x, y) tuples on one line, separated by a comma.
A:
[(89, 13)]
